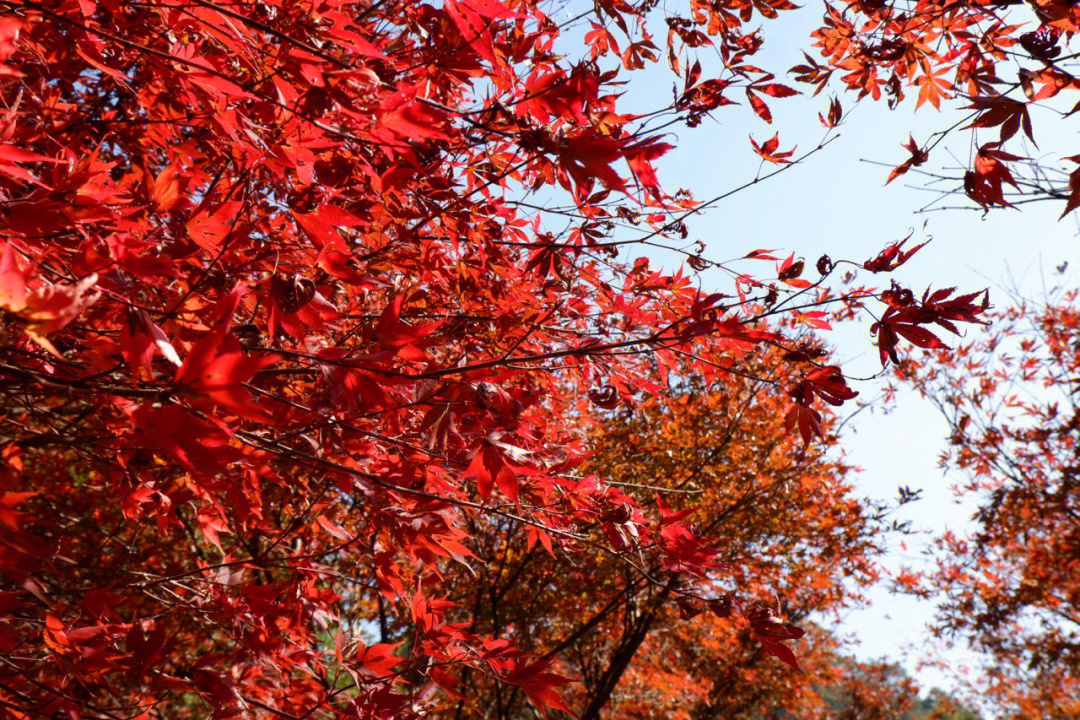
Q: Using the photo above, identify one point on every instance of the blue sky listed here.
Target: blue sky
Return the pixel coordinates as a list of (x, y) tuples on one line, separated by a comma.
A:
[(837, 203)]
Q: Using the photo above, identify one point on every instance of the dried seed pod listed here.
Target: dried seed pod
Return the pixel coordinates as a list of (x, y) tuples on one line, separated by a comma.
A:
[(721, 607), (291, 292)]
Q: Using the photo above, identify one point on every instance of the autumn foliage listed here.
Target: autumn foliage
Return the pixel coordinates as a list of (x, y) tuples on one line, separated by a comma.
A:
[(1008, 584), (1008, 65), (789, 537), (310, 313)]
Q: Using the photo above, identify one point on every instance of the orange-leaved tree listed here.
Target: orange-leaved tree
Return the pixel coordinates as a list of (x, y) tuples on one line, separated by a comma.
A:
[(789, 539), (1008, 585)]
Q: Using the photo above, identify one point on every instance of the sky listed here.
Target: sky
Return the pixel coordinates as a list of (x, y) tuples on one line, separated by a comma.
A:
[(837, 203)]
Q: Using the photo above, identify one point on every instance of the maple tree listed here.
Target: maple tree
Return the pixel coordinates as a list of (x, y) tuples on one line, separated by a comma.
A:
[(1008, 585), (793, 536), (287, 331), (643, 648)]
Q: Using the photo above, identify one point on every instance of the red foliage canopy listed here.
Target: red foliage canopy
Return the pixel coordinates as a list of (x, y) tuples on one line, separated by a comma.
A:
[(285, 324)]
